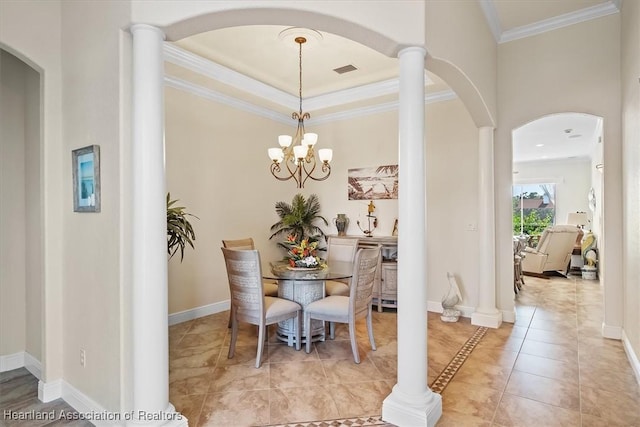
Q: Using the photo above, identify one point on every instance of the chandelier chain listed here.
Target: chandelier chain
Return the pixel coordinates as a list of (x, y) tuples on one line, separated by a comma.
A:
[(300, 41)]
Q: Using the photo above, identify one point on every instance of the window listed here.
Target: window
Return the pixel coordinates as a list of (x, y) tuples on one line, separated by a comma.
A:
[(534, 208)]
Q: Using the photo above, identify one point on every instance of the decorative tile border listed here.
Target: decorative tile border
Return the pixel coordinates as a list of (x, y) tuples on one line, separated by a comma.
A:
[(440, 383), (344, 422)]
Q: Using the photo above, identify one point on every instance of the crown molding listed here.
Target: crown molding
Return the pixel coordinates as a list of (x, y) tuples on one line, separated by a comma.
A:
[(212, 70), (379, 108), (359, 93), (560, 21), (491, 15), (230, 101), (200, 65), (221, 98)]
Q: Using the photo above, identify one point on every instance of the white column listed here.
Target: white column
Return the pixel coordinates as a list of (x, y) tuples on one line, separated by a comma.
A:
[(486, 313), (412, 403), (150, 346)]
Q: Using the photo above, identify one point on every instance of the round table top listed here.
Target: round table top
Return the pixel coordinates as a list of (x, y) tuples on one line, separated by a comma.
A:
[(281, 271)]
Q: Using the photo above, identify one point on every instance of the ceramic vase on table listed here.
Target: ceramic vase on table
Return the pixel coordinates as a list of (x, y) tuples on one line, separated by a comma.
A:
[(341, 222)]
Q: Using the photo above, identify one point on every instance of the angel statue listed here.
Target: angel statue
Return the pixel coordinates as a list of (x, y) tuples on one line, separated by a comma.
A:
[(449, 301)]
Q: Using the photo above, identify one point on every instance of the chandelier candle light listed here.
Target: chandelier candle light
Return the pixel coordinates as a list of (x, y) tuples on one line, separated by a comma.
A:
[(297, 153)]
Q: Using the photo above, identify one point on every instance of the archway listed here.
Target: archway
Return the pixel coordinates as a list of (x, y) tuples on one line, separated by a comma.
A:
[(562, 153), (22, 254), (148, 39)]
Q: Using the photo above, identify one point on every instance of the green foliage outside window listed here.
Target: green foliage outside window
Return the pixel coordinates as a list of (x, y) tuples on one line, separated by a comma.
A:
[(533, 209), (535, 221)]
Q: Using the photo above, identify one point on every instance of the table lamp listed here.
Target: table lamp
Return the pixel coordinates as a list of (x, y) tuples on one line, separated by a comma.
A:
[(579, 219)]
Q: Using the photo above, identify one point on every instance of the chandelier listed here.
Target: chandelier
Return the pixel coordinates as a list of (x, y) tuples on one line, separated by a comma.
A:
[(295, 158)]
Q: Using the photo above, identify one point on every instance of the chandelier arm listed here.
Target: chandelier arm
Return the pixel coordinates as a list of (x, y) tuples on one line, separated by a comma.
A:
[(326, 169), (275, 169)]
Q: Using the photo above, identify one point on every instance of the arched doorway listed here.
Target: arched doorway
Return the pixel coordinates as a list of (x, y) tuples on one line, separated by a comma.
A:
[(22, 261), (559, 158), (415, 76)]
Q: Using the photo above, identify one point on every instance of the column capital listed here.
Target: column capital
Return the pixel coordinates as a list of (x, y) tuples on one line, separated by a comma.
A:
[(412, 49), (135, 28)]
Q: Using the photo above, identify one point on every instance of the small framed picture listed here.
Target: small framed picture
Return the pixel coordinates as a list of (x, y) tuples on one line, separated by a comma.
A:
[(86, 179)]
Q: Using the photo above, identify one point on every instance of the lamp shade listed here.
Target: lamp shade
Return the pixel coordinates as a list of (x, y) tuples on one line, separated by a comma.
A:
[(300, 151), (285, 140), (325, 154), (276, 154), (577, 218), (310, 139)]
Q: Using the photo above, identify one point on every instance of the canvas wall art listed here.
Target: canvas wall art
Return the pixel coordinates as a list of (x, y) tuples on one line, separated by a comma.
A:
[(373, 183)]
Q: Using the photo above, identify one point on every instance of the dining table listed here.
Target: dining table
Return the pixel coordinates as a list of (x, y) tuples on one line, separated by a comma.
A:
[(304, 286)]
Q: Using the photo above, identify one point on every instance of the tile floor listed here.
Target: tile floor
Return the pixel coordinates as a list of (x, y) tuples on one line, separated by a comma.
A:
[(550, 368)]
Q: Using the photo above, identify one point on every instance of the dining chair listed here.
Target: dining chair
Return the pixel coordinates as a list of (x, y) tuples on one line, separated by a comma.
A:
[(348, 309), (248, 302), (270, 287), (339, 249)]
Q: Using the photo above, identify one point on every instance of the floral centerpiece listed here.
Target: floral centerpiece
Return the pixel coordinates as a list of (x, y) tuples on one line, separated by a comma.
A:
[(303, 254)]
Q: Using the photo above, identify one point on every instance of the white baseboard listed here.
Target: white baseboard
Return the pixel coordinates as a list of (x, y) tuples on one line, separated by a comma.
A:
[(92, 411), (33, 365), (22, 359), (49, 391), (631, 355), (612, 332), (194, 313), (13, 361), (436, 307), (89, 408)]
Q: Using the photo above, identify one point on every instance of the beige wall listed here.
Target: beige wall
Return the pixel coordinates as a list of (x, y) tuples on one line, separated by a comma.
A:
[(20, 209), (464, 55), (217, 166), (39, 46), (572, 69), (631, 156), (12, 205), (33, 216), (92, 315), (452, 201)]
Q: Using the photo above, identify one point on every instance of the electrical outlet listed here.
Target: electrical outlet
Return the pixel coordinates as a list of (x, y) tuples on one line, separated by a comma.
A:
[(83, 358)]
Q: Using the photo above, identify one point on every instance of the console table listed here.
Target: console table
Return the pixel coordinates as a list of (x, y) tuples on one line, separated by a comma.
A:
[(385, 288)]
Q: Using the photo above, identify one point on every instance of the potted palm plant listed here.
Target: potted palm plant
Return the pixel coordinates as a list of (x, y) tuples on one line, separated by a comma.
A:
[(179, 230), (297, 220)]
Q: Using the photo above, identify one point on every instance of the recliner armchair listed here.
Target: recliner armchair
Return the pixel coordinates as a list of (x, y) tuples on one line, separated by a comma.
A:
[(553, 252)]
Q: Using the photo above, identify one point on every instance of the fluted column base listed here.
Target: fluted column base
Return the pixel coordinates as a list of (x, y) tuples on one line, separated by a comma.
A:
[(488, 319), (400, 410)]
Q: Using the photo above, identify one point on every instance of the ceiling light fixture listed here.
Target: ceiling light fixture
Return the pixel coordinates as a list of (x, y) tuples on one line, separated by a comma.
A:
[(296, 153)]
